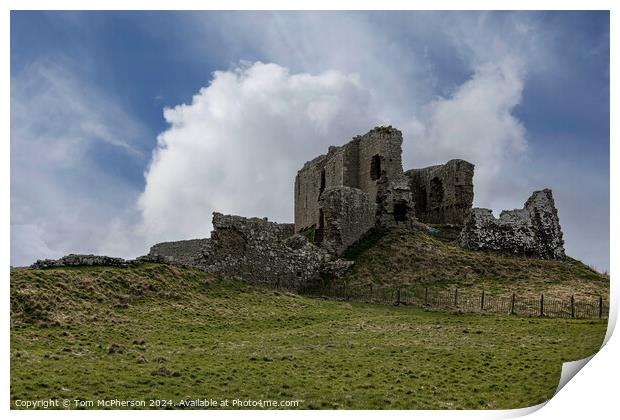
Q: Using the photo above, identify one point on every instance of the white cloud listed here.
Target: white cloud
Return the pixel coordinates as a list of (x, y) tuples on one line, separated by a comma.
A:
[(477, 62), (237, 146), (476, 123)]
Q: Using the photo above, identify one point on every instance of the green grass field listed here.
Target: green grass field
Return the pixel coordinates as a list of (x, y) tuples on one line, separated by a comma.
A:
[(160, 332)]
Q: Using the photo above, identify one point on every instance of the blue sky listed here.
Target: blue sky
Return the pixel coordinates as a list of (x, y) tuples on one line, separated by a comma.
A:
[(97, 165)]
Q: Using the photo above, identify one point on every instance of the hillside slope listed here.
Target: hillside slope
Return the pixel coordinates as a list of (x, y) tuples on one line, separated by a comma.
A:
[(157, 332), (403, 256)]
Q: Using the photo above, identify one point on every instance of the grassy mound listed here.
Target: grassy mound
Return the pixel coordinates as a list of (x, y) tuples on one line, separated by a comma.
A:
[(155, 332), (55, 297), (434, 259)]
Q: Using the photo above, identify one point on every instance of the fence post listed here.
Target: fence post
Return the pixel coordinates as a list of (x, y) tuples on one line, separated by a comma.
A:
[(456, 297), (426, 295), (398, 296), (370, 292), (512, 305), (482, 301), (542, 303), (572, 306), (600, 307)]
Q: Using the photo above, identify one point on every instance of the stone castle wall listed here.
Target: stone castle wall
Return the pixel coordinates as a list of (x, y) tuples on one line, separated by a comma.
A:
[(363, 163), (349, 214), (188, 252), (379, 160), (533, 230), (257, 250), (443, 194), (75, 260)]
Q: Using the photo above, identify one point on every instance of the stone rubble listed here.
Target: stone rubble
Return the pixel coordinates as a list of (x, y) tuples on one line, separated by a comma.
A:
[(257, 250), (74, 260), (533, 230)]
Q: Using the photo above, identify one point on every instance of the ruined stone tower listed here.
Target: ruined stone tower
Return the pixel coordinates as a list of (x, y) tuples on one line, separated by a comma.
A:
[(339, 196)]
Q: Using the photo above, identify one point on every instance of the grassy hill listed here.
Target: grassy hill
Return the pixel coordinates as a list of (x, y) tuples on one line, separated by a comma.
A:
[(434, 259), (156, 332)]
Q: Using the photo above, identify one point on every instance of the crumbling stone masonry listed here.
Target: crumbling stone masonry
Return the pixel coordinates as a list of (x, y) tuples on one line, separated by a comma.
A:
[(259, 251), (349, 213), (532, 230), (188, 253), (370, 164), (75, 260), (443, 194)]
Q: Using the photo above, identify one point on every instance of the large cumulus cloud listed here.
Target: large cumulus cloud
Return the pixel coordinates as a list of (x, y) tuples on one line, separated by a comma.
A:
[(477, 123), (237, 146)]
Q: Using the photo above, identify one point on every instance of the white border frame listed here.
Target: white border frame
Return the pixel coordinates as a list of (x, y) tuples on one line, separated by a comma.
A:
[(592, 394)]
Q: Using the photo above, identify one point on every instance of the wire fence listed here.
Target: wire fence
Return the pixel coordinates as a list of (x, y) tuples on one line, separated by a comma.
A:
[(468, 300)]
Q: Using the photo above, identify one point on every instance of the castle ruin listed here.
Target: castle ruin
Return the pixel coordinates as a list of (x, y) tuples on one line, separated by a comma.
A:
[(341, 196)]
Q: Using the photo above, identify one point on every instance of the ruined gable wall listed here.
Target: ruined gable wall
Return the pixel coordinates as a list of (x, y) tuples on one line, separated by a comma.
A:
[(443, 194), (349, 214), (546, 224), (533, 230)]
